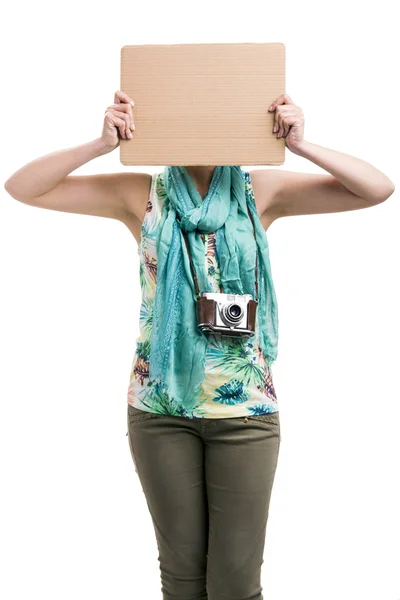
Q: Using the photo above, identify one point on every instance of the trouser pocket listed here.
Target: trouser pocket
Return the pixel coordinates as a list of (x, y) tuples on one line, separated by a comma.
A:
[(137, 414)]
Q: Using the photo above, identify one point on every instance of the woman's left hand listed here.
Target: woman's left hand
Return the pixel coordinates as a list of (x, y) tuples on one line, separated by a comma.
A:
[(289, 121)]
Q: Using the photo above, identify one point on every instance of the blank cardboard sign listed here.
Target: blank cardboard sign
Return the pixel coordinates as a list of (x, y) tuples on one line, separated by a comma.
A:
[(203, 104)]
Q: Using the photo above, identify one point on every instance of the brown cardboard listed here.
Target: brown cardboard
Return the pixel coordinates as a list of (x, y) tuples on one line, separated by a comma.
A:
[(203, 104)]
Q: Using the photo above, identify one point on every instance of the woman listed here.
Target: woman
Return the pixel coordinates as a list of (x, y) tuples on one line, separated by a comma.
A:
[(204, 440)]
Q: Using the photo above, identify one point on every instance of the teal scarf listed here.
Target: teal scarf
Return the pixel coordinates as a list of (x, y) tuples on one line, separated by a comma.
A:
[(177, 346)]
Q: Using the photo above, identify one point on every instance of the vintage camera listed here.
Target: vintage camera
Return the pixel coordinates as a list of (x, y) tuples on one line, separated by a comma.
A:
[(232, 315)]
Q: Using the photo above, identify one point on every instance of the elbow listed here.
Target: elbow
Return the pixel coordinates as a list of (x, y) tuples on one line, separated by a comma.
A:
[(383, 194), (8, 188), (392, 188), (388, 192), (13, 193)]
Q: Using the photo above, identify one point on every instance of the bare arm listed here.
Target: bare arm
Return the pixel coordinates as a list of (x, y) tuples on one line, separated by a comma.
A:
[(352, 184), (46, 181)]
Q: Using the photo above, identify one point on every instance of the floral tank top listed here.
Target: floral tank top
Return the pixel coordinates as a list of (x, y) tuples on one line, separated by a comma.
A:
[(238, 381)]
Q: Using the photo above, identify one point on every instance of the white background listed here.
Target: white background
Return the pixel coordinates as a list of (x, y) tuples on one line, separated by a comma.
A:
[(74, 520)]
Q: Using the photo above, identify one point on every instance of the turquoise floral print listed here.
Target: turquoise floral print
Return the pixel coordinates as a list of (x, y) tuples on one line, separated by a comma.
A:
[(238, 381)]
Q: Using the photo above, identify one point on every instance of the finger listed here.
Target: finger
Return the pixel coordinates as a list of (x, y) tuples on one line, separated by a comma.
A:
[(120, 96), (125, 108), (276, 124), (278, 119), (280, 114), (282, 99), (288, 118), (123, 125), (289, 121), (115, 121), (123, 98), (124, 130), (281, 125), (288, 99)]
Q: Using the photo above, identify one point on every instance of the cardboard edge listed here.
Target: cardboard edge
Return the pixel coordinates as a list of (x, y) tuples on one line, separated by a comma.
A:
[(121, 160)]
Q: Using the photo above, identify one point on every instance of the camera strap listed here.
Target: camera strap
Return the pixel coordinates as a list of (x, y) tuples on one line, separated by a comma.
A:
[(195, 279)]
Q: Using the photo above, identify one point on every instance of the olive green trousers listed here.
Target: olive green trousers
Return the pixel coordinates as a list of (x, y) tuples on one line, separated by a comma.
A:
[(207, 483)]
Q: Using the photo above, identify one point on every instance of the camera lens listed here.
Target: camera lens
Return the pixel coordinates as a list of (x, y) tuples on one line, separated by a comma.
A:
[(234, 311)]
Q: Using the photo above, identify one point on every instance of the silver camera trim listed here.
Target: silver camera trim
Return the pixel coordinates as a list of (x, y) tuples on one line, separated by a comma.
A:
[(222, 327)]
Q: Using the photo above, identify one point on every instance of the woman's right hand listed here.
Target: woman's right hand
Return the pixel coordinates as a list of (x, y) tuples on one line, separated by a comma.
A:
[(118, 121)]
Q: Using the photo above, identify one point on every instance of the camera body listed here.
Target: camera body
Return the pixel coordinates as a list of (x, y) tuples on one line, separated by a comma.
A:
[(232, 315)]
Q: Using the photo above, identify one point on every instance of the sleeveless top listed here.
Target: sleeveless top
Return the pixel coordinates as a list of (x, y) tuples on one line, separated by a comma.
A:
[(238, 381)]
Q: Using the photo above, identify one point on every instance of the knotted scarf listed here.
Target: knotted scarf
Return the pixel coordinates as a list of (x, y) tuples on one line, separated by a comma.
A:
[(177, 345)]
